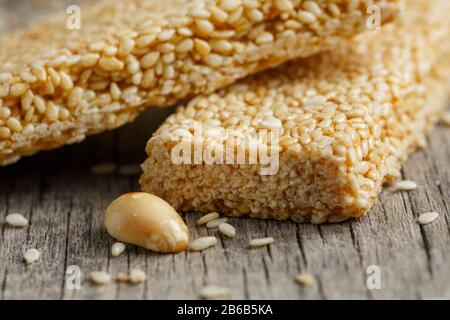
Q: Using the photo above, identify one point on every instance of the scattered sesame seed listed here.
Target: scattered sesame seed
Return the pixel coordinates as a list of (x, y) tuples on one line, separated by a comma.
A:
[(427, 217), (215, 223), (137, 276), (405, 185), (117, 249), (261, 242), (208, 217), (16, 220), (227, 229), (305, 279), (122, 277), (100, 278), (31, 256), (214, 292), (203, 243)]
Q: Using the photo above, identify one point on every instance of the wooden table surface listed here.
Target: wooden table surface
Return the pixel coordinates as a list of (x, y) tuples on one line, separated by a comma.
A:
[(65, 204)]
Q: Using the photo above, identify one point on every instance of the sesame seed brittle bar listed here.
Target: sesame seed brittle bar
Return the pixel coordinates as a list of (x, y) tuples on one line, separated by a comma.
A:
[(58, 85), (347, 119)]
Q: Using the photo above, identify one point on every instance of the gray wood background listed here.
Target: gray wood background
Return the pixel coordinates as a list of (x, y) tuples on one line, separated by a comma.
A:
[(65, 204)]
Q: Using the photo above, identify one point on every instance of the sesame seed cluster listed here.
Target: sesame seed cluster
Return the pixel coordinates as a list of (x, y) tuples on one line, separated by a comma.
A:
[(59, 85), (347, 119)]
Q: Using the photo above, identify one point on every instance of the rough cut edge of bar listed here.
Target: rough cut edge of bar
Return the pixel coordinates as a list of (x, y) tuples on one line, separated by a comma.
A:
[(49, 40), (313, 185)]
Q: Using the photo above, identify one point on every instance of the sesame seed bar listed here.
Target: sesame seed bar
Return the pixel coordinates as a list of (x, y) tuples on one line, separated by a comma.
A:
[(346, 120), (59, 84)]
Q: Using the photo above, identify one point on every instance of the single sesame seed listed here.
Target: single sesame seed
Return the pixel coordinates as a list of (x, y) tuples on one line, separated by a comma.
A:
[(306, 17), (215, 223), (166, 35), (185, 46), (203, 243), (16, 220), (100, 278), (5, 132), (264, 37), (214, 292), (405, 185), (19, 89), (208, 217), (261, 242), (305, 279), (214, 60), (204, 26), (122, 277), (14, 124), (227, 229), (312, 7), (284, 5), (137, 276), (427, 217), (149, 60), (202, 47), (117, 249), (31, 256)]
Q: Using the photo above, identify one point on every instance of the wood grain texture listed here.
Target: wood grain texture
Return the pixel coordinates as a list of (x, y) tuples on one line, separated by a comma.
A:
[(65, 204)]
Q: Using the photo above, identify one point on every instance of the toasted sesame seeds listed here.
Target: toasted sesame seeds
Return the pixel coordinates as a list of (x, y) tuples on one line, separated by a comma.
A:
[(207, 218), (427, 217), (31, 256), (305, 279), (215, 223), (117, 249), (333, 109), (100, 278), (227, 229), (16, 220), (261, 242), (104, 168), (137, 276), (214, 292), (203, 243), (405, 185)]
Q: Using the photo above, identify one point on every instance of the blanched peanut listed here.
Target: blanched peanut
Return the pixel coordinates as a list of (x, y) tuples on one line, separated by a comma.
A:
[(147, 221)]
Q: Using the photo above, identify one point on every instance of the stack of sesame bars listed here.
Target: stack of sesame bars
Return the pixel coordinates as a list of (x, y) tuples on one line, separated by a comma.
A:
[(368, 81)]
